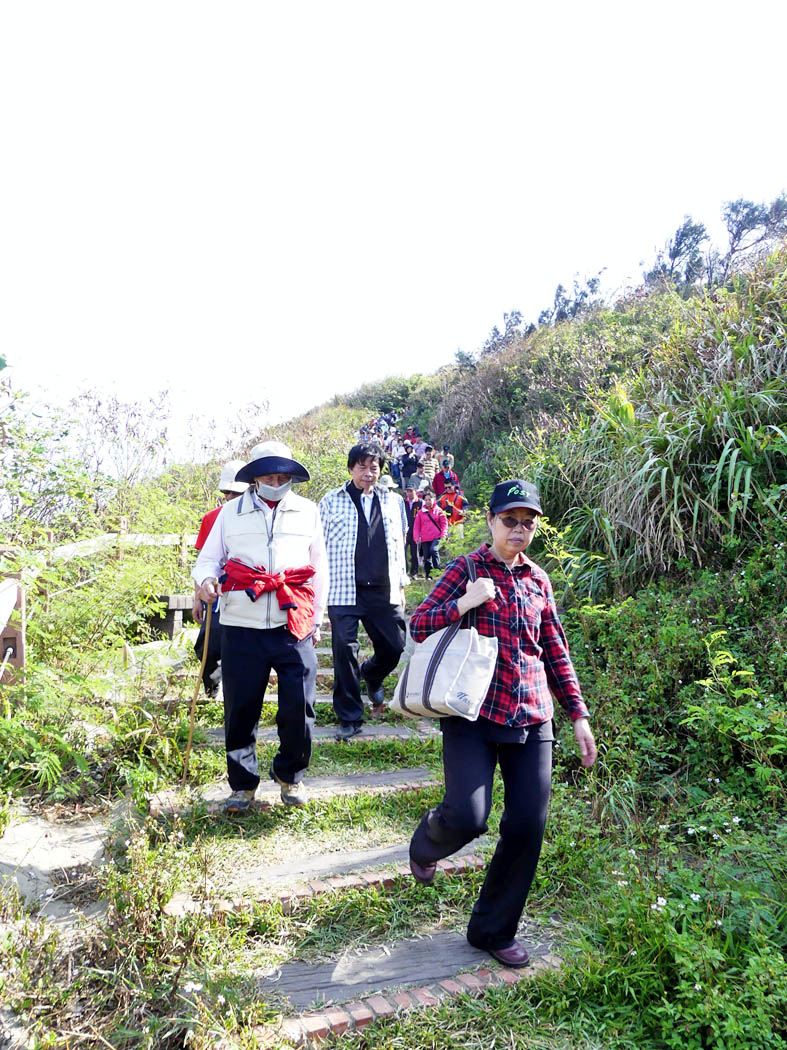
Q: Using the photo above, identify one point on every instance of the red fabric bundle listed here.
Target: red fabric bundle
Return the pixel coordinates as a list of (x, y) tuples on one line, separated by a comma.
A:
[(293, 592)]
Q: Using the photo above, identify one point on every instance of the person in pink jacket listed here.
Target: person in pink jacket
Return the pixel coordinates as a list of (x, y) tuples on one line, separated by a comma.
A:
[(430, 525)]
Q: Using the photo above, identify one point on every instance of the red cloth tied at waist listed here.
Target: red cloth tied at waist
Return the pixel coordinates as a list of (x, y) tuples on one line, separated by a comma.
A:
[(293, 591)]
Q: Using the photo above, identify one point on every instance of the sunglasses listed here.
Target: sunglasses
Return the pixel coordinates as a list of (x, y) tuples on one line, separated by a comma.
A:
[(511, 522)]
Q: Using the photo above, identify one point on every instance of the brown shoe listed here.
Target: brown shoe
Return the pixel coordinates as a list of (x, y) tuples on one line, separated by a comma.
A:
[(515, 956), (422, 872)]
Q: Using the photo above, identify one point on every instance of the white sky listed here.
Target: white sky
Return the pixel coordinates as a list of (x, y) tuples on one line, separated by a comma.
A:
[(247, 201)]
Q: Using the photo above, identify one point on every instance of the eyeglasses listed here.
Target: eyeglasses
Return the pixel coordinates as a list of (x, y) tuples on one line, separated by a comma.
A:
[(511, 522)]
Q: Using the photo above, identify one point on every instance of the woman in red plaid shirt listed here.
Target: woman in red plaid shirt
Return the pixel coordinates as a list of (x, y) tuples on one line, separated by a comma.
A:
[(514, 603)]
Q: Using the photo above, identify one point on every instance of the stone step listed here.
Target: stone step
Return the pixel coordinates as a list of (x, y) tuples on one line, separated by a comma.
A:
[(380, 971), (382, 731), (319, 875), (368, 866), (313, 1028), (172, 801)]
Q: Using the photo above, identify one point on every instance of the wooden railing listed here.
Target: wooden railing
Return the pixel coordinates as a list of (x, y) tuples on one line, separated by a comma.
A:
[(12, 595)]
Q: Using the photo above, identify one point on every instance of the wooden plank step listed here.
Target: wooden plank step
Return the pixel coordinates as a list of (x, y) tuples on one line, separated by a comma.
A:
[(378, 971), (368, 864), (253, 886), (313, 1028), (172, 801), (382, 731)]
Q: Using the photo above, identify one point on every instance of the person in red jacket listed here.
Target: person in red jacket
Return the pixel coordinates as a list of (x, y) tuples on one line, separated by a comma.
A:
[(429, 528), (442, 479)]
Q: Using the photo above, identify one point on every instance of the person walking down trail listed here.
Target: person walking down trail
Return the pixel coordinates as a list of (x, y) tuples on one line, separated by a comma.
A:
[(430, 464), (411, 506), (408, 464), (443, 478), (454, 505), (390, 484), (429, 528), (514, 603), (211, 673), (363, 527), (266, 556)]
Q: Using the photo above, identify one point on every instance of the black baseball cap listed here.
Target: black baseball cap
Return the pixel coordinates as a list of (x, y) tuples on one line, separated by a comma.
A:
[(515, 493)]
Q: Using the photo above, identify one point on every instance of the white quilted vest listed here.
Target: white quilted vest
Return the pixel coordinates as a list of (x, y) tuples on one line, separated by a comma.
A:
[(287, 546)]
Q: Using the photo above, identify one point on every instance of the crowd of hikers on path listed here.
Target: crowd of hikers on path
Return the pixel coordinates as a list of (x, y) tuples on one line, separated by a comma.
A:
[(271, 563)]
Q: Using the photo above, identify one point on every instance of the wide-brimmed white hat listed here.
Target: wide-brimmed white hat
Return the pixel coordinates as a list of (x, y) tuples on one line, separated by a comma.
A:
[(272, 457), (227, 482), (388, 481)]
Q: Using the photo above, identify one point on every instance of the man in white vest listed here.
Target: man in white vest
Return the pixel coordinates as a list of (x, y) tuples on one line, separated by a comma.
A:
[(266, 556)]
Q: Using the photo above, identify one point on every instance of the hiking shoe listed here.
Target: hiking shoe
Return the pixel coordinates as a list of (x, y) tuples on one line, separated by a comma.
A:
[(291, 794), (239, 801)]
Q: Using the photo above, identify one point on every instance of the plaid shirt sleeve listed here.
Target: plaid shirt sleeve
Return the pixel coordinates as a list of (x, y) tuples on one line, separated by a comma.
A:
[(560, 671)]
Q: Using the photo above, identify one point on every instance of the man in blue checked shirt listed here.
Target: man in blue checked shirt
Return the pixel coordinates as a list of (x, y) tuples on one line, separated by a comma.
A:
[(362, 524)]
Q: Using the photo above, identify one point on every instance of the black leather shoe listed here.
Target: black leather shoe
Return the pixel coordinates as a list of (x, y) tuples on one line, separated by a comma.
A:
[(422, 872), (347, 732), (515, 956), (376, 694)]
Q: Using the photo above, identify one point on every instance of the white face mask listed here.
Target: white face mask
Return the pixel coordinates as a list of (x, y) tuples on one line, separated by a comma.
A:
[(273, 492)]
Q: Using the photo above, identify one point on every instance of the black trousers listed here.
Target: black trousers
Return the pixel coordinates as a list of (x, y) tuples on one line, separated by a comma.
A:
[(214, 649), (430, 551), (469, 761), (248, 655), (412, 549), (384, 623)]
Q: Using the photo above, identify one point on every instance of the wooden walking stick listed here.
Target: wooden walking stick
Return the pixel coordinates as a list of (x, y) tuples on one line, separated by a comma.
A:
[(196, 693)]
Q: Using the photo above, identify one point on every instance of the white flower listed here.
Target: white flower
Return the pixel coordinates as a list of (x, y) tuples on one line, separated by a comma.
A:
[(695, 897), (717, 922), (698, 987), (703, 828), (663, 827), (633, 951), (632, 853), (191, 986), (691, 831), (737, 820), (221, 1000), (661, 901), (622, 882)]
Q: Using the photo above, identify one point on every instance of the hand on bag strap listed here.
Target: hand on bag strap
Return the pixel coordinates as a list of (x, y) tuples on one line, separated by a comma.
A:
[(478, 590)]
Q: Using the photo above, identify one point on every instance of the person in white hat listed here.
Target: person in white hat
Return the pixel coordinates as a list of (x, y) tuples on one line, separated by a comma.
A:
[(230, 489), (266, 556)]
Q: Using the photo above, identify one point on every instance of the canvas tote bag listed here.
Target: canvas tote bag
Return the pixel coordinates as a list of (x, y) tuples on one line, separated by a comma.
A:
[(449, 673)]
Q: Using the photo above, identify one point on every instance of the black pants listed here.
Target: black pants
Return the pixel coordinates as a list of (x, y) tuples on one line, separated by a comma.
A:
[(384, 623), (214, 649), (469, 761), (412, 549), (247, 656), (430, 551)]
